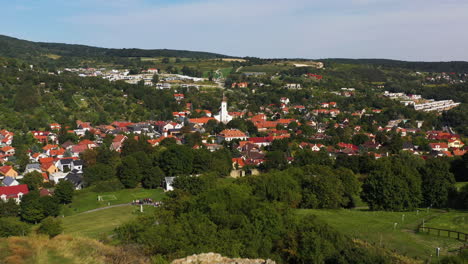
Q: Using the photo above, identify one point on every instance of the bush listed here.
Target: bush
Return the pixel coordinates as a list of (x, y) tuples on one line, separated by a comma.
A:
[(10, 226), (50, 226)]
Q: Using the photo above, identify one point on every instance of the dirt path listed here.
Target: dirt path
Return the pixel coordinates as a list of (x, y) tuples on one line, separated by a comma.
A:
[(106, 207)]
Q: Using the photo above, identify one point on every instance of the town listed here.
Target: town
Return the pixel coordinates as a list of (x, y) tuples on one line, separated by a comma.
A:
[(150, 156)]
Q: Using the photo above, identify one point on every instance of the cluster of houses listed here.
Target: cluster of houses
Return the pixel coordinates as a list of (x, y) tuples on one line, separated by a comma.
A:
[(146, 76), (446, 77), (56, 162), (421, 104)]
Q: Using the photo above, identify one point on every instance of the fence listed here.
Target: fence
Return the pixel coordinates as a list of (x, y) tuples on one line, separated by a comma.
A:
[(458, 235)]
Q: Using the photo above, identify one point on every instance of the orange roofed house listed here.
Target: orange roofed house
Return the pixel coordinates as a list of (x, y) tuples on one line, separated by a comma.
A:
[(201, 120), (8, 171), (231, 134)]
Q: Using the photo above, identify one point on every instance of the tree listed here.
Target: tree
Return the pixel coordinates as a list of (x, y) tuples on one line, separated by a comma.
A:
[(201, 161), (165, 60), (64, 191), (168, 141), (129, 172), (9, 208), (322, 188), (155, 78), (130, 146), (192, 139), (278, 186), (221, 162), (293, 125), (50, 226), (153, 178), (460, 168), (31, 208), (307, 157), (33, 179), (50, 205), (461, 199), (437, 183), (98, 172), (177, 160), (89, 157), (275, 160), (392, 186), (359, 139), (27, 97), (190, 184)]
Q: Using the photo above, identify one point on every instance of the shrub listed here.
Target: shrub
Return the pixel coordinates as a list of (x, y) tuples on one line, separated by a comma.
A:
[(50, 226)]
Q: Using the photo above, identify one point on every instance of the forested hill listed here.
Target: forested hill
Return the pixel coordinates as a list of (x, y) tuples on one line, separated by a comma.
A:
[(23, 49), (449, 66)]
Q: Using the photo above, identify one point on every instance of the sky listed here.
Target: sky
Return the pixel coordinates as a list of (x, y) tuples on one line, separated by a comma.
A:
[(415, 30)]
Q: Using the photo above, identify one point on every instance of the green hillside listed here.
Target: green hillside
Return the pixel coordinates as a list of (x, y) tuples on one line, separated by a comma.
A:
[(17, 48)]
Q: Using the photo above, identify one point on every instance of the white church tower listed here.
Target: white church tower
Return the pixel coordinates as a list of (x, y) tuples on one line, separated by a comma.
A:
[(223, 115)]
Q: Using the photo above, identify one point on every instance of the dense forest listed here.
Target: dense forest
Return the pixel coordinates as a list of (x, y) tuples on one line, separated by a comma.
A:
[(450, 66), (17, 48)]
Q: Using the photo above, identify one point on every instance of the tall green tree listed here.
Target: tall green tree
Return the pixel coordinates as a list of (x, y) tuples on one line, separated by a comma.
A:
[(129, 173), (98, 172), (34, 180), (437, 183), (31, 208), (9, 208), (392, 186), (177, 160), (64, 192)]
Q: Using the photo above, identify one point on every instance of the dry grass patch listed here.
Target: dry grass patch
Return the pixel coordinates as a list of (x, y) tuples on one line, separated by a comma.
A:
[(65, 249)]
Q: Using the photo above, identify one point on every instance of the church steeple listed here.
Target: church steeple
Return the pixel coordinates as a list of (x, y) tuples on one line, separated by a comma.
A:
[(223, 115)]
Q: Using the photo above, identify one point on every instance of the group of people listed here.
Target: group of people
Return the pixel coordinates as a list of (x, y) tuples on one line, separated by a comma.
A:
[(146, 201)]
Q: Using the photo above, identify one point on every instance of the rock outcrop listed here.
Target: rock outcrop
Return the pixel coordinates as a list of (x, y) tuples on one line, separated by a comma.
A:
[(213, 258)]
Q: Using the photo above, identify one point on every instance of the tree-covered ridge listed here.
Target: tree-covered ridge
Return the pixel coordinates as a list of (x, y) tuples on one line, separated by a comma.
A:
[(449, 66), (17, 48)]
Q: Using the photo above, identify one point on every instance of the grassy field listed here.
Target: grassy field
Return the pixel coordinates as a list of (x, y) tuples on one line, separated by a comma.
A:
[(85, 200), (379, 228), (101, 223), (268, 68), (80, 101), (453, 220)]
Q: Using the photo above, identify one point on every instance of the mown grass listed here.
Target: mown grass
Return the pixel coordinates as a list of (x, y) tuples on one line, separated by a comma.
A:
[(100, 224), (453, 220), (86, 200), (379, 228)]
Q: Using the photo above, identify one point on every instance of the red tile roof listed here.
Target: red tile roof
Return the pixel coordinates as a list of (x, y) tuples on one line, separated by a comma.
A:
[(46, 160), (229, 133), (201, 120), (13, 191), (438, 145)]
